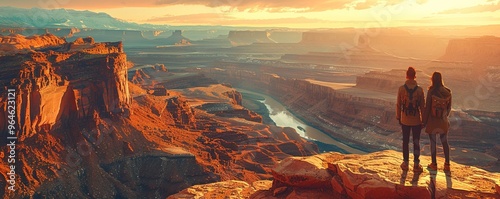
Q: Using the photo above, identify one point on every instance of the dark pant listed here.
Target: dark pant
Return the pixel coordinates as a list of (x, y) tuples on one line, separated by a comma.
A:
[(416, 142), (446, 148)]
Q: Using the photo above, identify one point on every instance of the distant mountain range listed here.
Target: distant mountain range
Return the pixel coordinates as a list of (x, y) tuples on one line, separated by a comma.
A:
[(62, 18), (11, 17)]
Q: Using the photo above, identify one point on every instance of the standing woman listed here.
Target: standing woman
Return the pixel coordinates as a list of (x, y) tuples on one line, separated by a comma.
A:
[(435, 118)]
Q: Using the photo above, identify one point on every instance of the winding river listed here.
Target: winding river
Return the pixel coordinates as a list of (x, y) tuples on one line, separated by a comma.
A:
[(284, 118)]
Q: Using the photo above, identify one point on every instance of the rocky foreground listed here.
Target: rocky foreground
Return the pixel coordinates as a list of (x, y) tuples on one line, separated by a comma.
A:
[(375, 175)]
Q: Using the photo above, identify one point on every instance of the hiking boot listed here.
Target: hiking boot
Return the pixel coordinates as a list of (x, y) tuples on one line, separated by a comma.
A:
[(404, 166), (432, 166), (418, 168), (446, 167)]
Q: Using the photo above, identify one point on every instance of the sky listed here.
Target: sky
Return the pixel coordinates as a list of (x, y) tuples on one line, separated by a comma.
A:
[(287, 13)]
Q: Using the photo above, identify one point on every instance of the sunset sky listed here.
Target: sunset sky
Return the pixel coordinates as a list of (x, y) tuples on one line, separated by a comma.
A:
[(287, 13)]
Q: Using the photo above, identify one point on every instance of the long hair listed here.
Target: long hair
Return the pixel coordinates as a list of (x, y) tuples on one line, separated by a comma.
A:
[(436, 81)]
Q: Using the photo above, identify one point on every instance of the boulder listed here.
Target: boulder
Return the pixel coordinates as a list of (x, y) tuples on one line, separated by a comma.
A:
[(311, 172)]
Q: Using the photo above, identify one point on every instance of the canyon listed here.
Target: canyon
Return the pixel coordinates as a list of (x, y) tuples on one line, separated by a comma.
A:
[(92, 124), (86, 131)]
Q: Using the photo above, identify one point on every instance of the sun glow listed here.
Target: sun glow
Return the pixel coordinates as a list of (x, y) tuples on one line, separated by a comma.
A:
[(300, 14)]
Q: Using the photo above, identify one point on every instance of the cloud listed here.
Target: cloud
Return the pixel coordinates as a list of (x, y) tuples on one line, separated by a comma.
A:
[(491, 7), (202, 18), (221, 19), (272, 5), (278, 5)]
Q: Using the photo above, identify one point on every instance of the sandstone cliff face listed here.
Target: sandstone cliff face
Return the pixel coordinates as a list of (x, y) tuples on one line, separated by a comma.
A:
[(55, 86), (176, 39), (482, 50), (393, 41), (79, 137), (235, 97), (329, 38), (181, 112), (375, 175), (248, 37)]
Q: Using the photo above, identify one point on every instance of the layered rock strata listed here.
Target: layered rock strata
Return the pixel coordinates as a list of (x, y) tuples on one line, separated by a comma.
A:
[(64, 82)]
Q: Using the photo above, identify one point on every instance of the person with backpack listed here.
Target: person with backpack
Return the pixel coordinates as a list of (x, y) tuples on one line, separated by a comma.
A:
[(435, 118), (409, 108)]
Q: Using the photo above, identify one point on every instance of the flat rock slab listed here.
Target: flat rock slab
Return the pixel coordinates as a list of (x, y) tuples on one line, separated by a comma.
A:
[(308, 172), (226, 189), (378, 175)]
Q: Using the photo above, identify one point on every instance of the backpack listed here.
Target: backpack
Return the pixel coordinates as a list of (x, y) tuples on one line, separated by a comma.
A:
[(410, 103), (439, 107)]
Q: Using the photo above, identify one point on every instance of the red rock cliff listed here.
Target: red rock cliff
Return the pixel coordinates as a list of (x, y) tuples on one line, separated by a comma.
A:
[(55, 85)]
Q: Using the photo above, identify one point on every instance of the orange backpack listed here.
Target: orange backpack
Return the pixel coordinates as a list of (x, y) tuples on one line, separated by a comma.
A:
[(439, 107), (410, 102)]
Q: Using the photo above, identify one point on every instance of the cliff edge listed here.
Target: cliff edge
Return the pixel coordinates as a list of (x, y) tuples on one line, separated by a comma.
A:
[(374, 175)]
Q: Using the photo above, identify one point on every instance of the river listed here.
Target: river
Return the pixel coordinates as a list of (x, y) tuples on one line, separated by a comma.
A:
[(280, 116)]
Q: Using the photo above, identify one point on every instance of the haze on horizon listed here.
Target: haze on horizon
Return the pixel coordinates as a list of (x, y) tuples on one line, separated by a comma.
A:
[(292, 14)]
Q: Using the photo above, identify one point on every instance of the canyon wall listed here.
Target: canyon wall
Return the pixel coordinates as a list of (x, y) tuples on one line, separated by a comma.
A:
[(392, 41), (285, 36), (482, 50), (175, 39), (238, 38), (66, 84)]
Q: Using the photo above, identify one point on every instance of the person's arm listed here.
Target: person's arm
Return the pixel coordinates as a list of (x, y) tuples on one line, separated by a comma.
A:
[(398, 106), (422, 105), (428, 105)]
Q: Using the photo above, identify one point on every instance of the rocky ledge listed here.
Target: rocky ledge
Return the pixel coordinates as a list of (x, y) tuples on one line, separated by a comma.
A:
[(374, 175)]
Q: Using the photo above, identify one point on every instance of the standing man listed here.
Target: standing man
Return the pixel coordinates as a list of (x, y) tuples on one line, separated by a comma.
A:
[(409, 109)]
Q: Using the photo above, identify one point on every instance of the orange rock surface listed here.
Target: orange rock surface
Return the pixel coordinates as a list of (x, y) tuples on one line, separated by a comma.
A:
[(374, 175)]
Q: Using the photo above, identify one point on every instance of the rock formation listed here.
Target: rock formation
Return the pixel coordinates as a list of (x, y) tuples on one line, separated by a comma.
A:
[(15, 43), (63, 82), (235, 97), (285, 36), (176, 39), (362, 56), (483, 51), (238, 38), (140, 77), (393, 41), (180, 111), (329, 37), (375, 175)]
